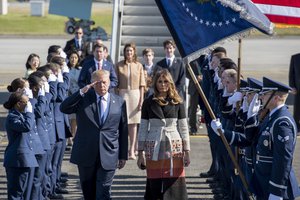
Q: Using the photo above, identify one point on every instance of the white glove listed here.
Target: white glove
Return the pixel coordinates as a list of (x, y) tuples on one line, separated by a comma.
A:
[(237, 96), (216, 77), (215, 125), (28, 92), (47, 87), (253, 107), (274, 197), (41, 91), (220, 85), (65, 68), (28, 107), (245, 105), (63, 54), (225, 93), (60, 78), (52, 77)]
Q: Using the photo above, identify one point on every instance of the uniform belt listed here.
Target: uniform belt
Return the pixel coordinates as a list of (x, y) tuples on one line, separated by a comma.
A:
[(265, 159)]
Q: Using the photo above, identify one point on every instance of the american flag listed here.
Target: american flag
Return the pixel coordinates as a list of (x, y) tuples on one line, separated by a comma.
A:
[(280, 11)]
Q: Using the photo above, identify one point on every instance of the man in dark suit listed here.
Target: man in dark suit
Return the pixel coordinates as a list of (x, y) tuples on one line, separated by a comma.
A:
[(77, 43), (101, 144), (174, 65), (294, 82), (97, 62), (194, 95)]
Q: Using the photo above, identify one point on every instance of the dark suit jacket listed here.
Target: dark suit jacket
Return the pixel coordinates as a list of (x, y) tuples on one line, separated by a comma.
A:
[(19, 152), (177, 71), (71, 45), (112, 135), (89, 67), (294, 73), (197, 71), (294, 81)]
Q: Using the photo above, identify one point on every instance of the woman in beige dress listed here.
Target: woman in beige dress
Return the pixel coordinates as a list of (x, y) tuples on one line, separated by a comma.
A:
[(131, 79)]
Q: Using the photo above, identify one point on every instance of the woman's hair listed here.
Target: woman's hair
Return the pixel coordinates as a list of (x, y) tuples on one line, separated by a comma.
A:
[(16, 84), (28, 66), (132, 45), (58, 60), (172, 96), (45, 69), (38, 74), (69, 55), (14, 98), (34, 81)]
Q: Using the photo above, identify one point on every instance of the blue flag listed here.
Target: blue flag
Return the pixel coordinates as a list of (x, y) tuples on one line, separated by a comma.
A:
[(197, 25)]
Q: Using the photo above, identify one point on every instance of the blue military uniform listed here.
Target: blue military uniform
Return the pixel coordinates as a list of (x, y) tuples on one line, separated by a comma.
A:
[(19, 157), (275, 144)]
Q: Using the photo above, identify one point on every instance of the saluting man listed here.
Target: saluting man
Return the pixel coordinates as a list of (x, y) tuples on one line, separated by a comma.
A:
[(274, 177)]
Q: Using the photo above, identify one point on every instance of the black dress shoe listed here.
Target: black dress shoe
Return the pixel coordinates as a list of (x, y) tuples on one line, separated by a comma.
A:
[(63, 180), (61, 191), (218, 190), (64, 174), (218, 196), (62, 185), (206, 174), (56, 196), (211, 180)]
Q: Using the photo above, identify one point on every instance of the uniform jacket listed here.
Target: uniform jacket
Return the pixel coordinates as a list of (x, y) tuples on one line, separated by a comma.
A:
[(112, 134), (49, 114), (41, 123), (19, 152), (275, 144), (59, 118), (137, 76), (33, 133), (89, 67)]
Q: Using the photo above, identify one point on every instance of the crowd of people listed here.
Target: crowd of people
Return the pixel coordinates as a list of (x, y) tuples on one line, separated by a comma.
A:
[(80, 99)]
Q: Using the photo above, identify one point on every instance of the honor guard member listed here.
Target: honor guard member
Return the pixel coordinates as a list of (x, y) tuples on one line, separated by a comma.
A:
[(274, 177)]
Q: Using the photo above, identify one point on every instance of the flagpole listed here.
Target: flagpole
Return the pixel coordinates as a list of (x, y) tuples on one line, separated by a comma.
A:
[(238, 105), (212, 115)]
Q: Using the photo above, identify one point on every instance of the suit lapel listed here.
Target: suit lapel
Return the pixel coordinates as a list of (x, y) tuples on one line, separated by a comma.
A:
[(111, 106), (92, 113)]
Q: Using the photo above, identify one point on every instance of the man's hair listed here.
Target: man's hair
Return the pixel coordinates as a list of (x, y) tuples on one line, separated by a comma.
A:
[(148, 50), (98, 46), (227, 63), (98, 73), (232, 74), (219, 49), (167, 42), (53, 49)]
